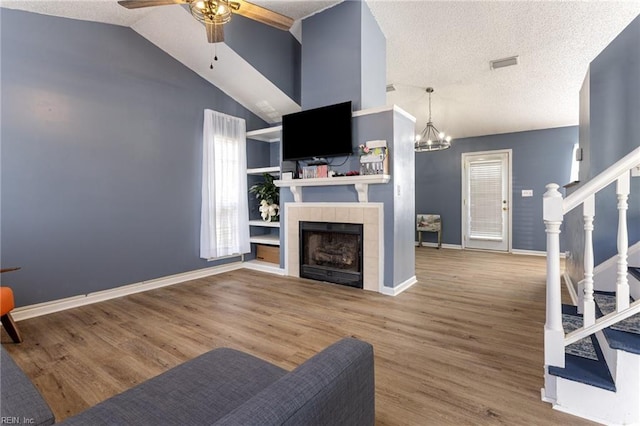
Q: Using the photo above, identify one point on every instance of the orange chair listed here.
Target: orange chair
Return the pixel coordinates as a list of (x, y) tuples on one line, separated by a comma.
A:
[(6, 306)]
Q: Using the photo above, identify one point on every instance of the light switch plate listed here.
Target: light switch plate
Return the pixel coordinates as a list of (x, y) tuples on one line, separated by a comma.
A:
[(527, 192)]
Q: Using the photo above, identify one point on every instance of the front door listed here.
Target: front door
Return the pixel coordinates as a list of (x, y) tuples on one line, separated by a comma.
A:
[(486, 200)]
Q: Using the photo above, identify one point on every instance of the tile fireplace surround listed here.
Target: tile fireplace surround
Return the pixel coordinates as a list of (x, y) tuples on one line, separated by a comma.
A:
[(370, 215)]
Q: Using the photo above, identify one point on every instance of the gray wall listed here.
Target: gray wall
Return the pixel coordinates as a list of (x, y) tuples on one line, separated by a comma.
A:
[(614, 131), (373, 65), (101, 157), (539, 157)]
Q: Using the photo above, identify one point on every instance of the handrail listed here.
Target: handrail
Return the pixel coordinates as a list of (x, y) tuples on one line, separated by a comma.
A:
[(605, 178), (602, 323)]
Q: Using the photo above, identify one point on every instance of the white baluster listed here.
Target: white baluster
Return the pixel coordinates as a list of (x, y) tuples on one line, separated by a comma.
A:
[(589, 308), (553, 331), (622, 282)]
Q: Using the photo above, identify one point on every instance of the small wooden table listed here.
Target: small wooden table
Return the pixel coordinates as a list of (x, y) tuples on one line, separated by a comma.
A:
[(429, 223)]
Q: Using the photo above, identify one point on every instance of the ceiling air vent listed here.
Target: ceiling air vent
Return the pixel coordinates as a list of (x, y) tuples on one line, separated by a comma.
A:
[(505, 62), (391, 88)]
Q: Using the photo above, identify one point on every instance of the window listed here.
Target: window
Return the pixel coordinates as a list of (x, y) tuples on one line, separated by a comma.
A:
[(224, 227)]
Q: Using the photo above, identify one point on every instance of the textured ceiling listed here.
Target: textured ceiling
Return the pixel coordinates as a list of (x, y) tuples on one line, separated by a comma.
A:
[(443, 44)]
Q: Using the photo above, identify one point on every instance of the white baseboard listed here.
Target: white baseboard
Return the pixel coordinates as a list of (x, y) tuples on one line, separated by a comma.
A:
[(447, 246), (45, 308), (389, 291), (535, 253)]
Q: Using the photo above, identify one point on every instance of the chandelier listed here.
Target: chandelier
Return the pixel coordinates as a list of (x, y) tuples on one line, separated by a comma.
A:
[(431, 139)]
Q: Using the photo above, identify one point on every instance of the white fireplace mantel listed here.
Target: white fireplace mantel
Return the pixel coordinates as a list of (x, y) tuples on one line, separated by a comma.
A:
[(361, 184)]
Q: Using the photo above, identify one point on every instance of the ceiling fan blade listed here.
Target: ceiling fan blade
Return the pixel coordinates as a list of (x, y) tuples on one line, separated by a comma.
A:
[(137, 4), (215, 33), (266, 16)]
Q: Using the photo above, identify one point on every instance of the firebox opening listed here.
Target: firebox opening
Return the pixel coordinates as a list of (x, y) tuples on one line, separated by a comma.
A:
[(331, 252)]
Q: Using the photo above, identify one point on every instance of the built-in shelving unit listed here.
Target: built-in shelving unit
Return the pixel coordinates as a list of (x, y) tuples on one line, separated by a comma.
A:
[(265, 233)]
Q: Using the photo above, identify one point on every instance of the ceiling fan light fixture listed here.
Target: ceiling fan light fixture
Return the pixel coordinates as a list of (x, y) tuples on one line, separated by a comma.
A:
[(431, 139), (216, 12)]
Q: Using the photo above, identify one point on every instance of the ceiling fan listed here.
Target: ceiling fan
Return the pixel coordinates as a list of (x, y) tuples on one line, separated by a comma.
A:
[(215, 13)]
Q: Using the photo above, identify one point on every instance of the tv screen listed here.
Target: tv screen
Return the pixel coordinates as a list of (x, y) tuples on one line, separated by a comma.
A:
[(319, 132)]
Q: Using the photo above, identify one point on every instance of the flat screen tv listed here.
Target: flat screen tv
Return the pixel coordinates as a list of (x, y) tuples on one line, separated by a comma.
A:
[(317, 133)]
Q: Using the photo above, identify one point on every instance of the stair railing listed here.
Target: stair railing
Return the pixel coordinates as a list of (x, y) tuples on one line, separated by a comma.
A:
[(554, 210)]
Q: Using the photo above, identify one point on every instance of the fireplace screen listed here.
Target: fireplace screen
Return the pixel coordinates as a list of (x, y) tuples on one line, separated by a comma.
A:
[(331, 252)]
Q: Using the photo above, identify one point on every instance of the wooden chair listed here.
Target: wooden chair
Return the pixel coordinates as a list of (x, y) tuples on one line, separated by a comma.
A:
[(6, 306)]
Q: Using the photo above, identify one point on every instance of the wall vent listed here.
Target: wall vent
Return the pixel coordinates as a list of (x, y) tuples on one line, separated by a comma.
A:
[(505, 62), (391, 88)]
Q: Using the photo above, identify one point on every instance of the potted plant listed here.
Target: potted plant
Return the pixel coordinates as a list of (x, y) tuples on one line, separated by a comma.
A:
[(269, 195)]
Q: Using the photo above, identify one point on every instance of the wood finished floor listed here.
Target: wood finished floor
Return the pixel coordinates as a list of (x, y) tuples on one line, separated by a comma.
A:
[(461, 347)]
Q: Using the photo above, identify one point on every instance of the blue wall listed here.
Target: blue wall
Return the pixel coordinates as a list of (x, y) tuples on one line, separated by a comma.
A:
[(343, 58), (539, 157), (613, 131), (101, 157), (276, 54)]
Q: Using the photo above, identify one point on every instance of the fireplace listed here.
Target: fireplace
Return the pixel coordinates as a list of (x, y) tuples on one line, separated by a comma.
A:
[(331, 252)]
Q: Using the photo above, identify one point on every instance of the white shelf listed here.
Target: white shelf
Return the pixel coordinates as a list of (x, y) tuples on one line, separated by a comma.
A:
[(261, 170), (270, 134), (361, 184), (264, 224), (268, 239)]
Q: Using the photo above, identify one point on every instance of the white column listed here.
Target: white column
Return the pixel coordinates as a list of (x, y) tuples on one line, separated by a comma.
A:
[(553, 331), (622, 283), (588, 307)]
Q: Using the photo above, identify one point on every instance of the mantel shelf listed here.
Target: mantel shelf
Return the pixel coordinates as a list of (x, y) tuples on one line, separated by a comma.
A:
[(361, 184)]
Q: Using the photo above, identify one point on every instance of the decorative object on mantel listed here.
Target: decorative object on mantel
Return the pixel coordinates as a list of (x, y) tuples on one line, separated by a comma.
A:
[(374, 158), (431, 138), (269, 195)]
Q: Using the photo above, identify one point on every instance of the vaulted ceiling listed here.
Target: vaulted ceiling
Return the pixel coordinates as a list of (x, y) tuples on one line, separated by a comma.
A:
[(443, 44)]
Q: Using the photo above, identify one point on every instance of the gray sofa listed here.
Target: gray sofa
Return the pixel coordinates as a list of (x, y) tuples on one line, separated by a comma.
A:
[(228, 387)]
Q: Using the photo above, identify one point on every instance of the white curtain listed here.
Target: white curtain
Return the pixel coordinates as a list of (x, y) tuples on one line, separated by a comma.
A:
[(224, 229)]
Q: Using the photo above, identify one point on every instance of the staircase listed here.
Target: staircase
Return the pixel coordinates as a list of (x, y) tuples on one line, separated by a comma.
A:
[(592, 351)]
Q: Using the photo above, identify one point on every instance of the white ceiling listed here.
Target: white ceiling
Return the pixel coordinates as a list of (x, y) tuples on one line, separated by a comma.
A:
[(443, 44)]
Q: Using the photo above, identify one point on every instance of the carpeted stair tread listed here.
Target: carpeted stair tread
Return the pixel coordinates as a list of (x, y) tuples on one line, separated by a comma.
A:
[(624, 335), (635, 271), (588, 367)]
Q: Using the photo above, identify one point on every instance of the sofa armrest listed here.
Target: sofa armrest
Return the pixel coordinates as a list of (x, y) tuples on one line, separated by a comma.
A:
[(20, 401), (335, 387)]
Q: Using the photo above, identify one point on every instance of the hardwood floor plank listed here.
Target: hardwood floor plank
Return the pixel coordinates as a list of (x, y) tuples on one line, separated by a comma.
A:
[(461, 347)]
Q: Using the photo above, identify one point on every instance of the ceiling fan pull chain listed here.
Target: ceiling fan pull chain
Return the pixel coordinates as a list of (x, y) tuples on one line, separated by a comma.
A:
[(212, 53)]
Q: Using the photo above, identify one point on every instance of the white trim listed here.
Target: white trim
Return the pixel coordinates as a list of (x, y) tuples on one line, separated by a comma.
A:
[(257, 265), (389, 291), (570, 288), (463, 216), (31, 311)]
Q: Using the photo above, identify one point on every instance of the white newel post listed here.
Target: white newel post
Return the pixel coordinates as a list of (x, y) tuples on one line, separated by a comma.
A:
[(588, 308), (622, 283), (553, 331)]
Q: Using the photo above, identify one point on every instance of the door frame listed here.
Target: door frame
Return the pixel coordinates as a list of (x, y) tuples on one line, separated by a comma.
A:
[(463, 158)]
